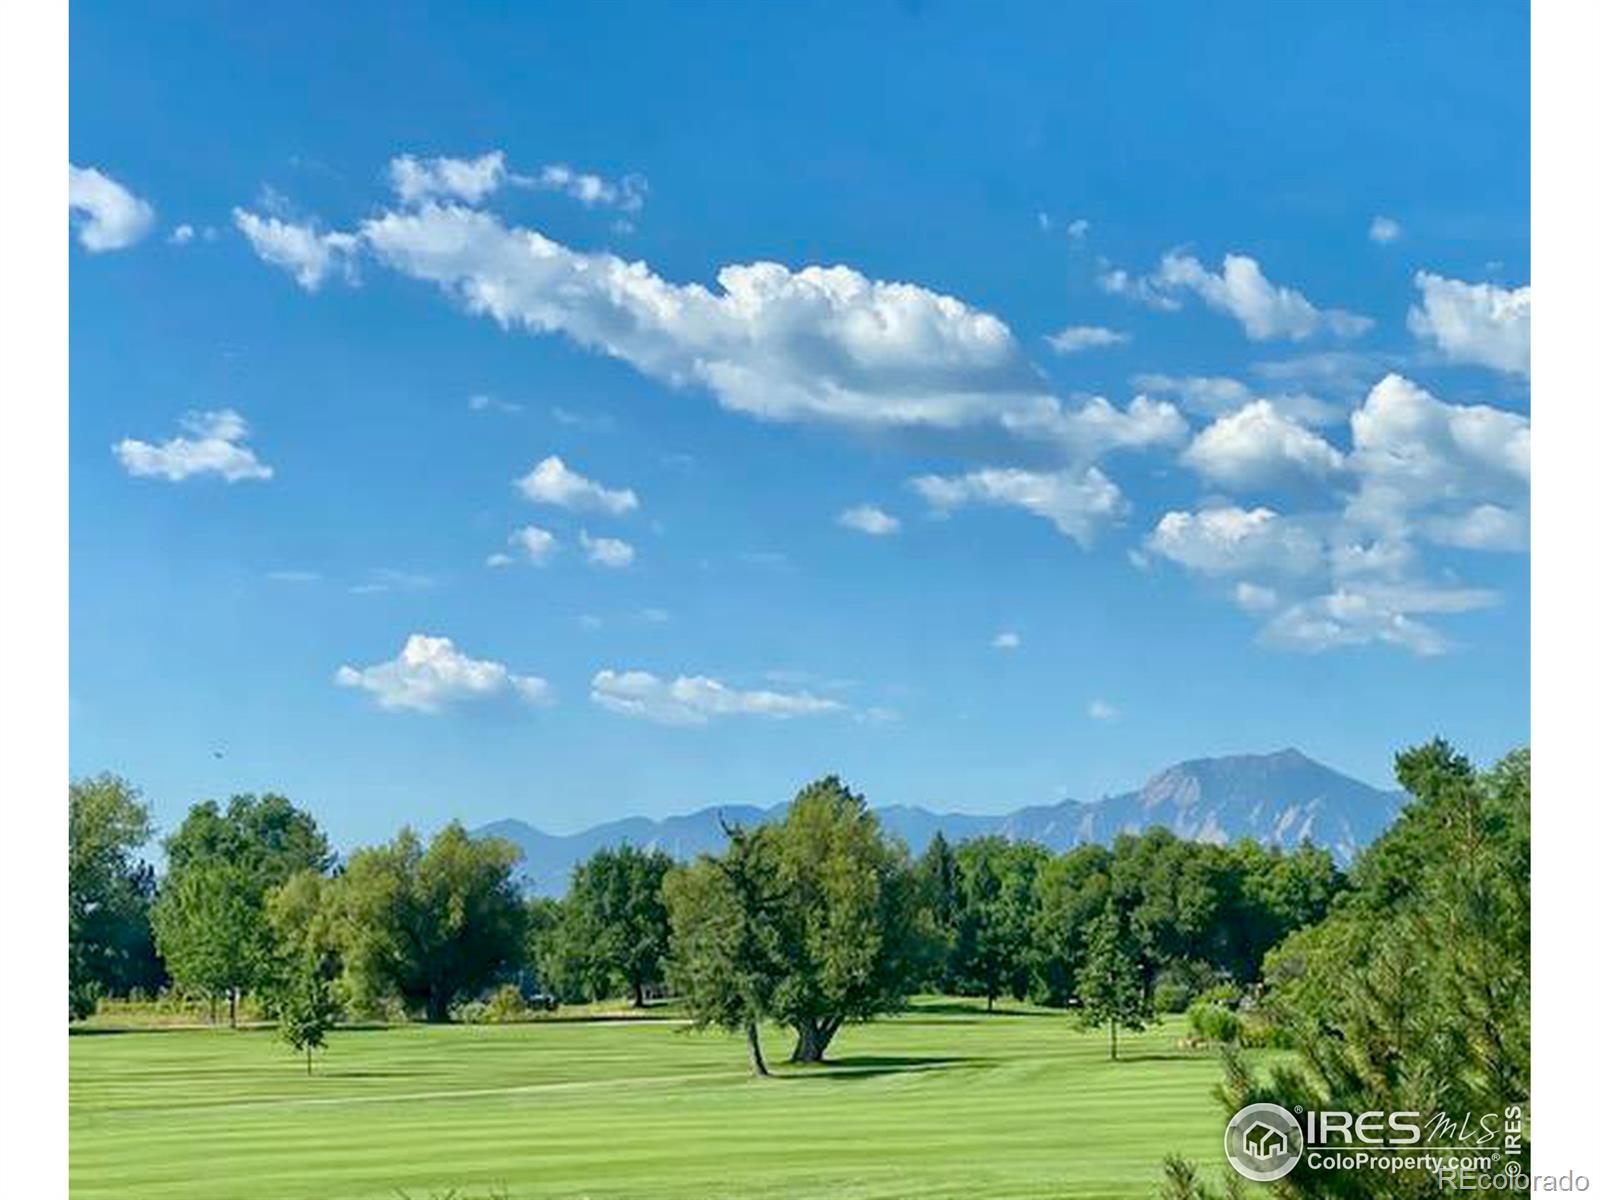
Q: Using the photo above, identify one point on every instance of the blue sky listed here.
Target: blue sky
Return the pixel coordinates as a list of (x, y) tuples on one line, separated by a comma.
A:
[(1178, 353)]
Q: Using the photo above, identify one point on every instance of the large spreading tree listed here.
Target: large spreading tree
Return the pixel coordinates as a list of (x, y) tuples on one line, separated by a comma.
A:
[(431, 925), (811, 922)]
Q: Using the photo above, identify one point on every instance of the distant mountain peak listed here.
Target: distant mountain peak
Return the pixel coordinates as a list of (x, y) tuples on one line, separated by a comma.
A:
[(1280, 799)]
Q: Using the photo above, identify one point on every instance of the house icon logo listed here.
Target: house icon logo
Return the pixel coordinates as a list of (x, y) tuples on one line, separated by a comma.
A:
[(1263, 1142)]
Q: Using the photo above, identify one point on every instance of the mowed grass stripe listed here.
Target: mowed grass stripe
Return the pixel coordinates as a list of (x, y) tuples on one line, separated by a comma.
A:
[(925, 1105)]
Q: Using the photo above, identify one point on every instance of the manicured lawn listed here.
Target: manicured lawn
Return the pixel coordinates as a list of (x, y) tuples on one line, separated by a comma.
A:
[(943, 1101)]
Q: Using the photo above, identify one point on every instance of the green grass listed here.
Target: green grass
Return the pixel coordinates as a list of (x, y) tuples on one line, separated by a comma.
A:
[(943, 1101)]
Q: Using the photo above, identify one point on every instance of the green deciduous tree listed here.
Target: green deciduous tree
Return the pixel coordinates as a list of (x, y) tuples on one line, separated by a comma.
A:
[(307, 1006), (998, 889), (1074, 889), (725, 958), (1110, 985), (211, 917), (812, 922), (616, 919), (110, 945), (430, 925)]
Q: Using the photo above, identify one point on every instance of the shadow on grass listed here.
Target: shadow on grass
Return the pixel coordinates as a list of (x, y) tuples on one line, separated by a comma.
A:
[(870, 1066), (976, 1011)]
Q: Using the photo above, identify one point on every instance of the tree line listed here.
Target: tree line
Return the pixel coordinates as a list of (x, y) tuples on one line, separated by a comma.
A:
[(811, 922)]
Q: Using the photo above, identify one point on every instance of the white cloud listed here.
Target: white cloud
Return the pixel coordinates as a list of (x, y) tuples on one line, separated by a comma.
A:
[(1384, 230), (307, 254), (182, 235), (1103, 710), (821, 343), (383, 580), (1007, 639), (498, 559), (1078, 229), (430, 674), (1256, 447), (1360, 614), (1414, 453), (869, 519), (111, 217), (480, 402), (605, 551), (1218, 395), (1483, 527), (1097, 426), (1475, 322), (1242, 291), (1077, 503), (1254, 598), (552, 482), (1236, 541), (538, 546), (212, 444), (467, 179), (590, 190), (696, 699), (1076, 338)]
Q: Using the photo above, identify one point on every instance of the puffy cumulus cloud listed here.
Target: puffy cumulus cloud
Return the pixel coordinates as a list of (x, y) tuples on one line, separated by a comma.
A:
[(869, 519), (605, 551), (1219, 395), (538, 546), (1076, 502), (110, 216), (308, 254), (1237, 541), (212, 444), (1076, 338), (467, 179), (696, 699), (1463, 468), (820, 343), (1384, 230), (553, 482), (1103, 710), (1007, 639), (430, 674), (1483, 527), (1474, 322), (1259, 447), (1240, 290), (1097, 426), (1358, 614)]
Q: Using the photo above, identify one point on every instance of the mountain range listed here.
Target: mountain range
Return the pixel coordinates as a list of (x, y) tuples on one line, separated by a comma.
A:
[(1279, 799)]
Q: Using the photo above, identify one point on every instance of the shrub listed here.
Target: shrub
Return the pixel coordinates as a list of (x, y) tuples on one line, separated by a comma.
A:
[(1214, 1022)]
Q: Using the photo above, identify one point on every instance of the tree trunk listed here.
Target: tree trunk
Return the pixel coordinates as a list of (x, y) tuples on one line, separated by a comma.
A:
[(753, 1035), (638, 994), (438, 1005), (812, 1039), (308, 1059), (233, 1008), (990, 1005), (1113, 1039), (211, 997)]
